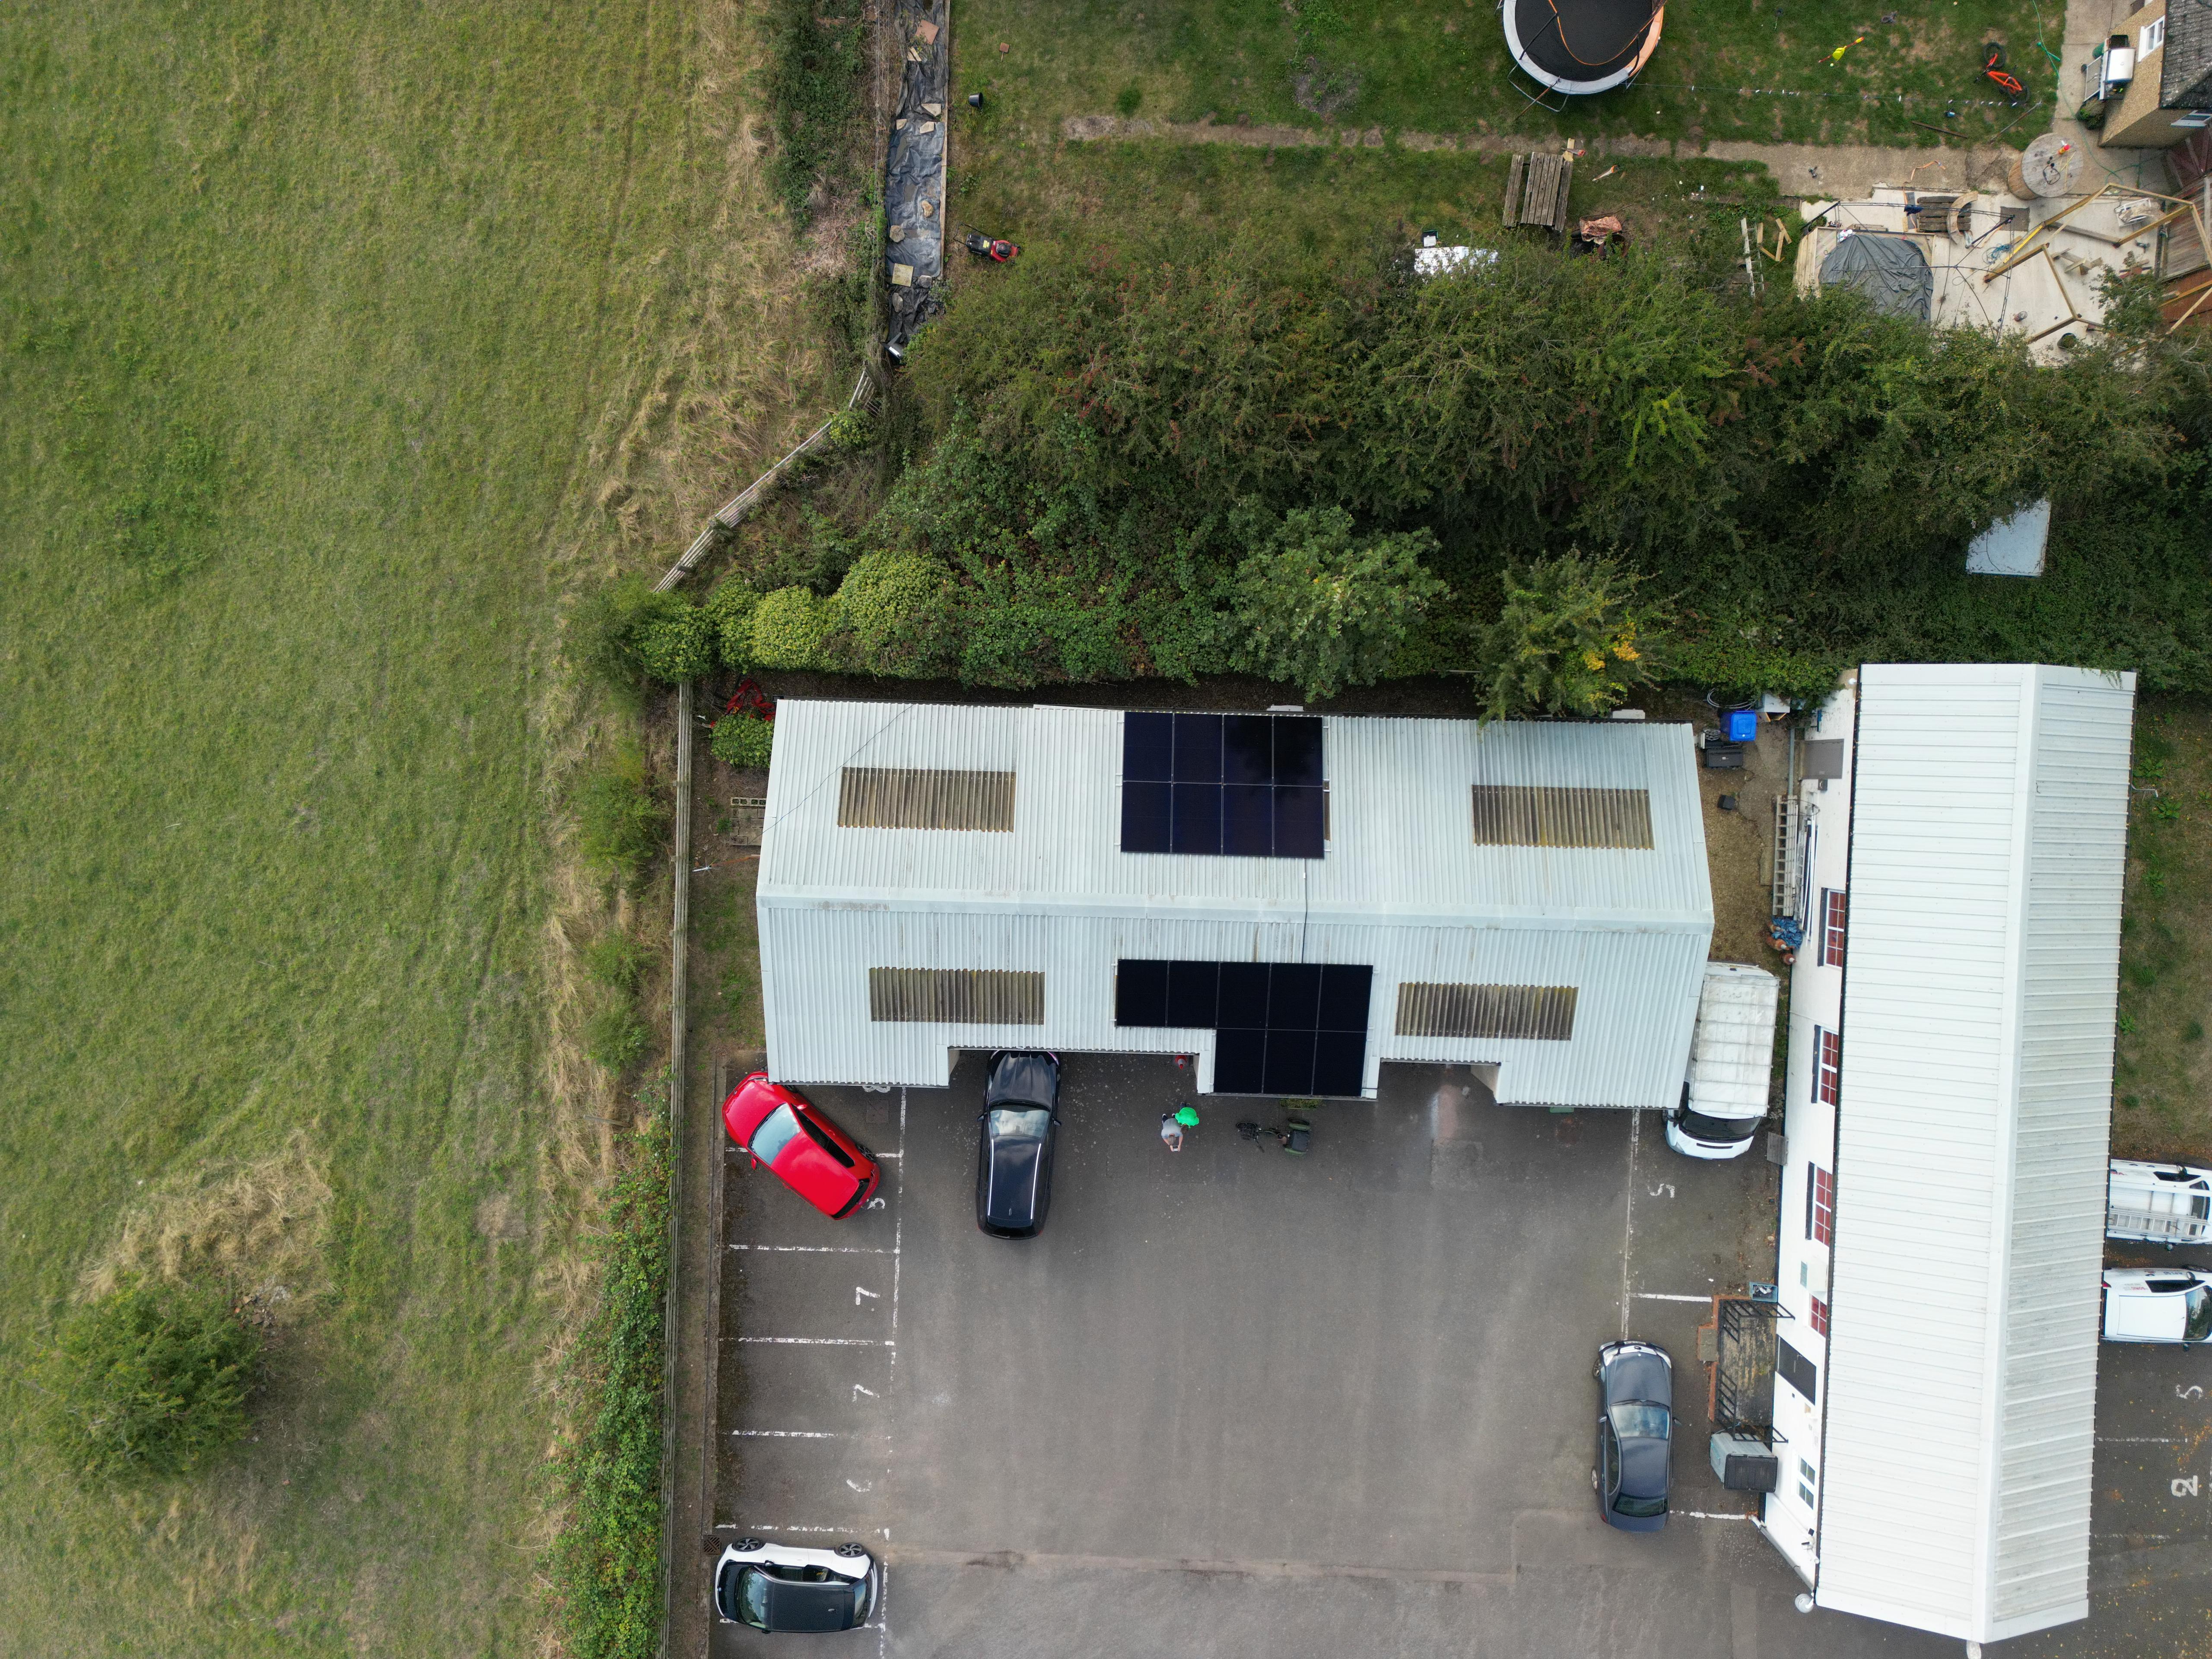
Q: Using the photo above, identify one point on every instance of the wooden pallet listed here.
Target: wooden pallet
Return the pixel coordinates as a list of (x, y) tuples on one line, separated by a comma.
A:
[(1536, 191)]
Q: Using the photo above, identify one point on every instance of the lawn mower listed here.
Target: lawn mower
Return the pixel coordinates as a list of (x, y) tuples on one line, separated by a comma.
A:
[(996, 249)]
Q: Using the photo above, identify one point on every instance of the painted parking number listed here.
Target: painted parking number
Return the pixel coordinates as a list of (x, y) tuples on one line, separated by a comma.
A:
[(2185, 1488)]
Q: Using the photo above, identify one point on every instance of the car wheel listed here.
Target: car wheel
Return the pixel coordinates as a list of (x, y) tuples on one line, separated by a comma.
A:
[(747, 1546), (850, 1550)]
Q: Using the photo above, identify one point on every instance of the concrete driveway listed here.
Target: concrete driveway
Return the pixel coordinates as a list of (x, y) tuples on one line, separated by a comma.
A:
[(1237, 1403)]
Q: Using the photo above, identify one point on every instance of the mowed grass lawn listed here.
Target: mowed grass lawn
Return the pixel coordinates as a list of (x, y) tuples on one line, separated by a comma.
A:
[(307, 313), (1725, 68)]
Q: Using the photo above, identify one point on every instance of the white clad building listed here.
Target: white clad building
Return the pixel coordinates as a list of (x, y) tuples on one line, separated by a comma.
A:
[(1949, 1101), (1289, 900)]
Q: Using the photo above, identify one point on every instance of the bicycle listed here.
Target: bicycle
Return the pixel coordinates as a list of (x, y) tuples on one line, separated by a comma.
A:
[(1295, 1138)]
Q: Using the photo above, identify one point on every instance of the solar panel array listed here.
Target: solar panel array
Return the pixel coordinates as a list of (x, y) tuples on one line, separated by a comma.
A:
[(1239, 786), (1283, 1028)]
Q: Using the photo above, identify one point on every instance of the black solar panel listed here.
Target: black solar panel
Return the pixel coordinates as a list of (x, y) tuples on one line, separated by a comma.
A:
[(1281, 1028), (1239, 786)]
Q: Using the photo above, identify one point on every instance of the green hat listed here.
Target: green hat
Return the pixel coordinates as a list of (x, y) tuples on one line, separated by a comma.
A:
[(1188, 1116)]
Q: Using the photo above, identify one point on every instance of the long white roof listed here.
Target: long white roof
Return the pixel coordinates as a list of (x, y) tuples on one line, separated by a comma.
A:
[(1401, 847), (1988, 836)]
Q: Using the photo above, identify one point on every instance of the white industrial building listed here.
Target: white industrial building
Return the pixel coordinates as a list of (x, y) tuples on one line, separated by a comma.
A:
[(1530, 898), (1949, 1092)]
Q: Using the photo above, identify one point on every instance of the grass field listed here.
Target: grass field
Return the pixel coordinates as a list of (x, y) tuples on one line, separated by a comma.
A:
[(2164, 1076), (1118, 195), (337, 345), (1742, 70)]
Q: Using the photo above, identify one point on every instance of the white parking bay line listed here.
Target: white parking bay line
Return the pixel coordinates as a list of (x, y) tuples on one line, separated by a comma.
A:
[(822, 1341), (815, 1249), (2137, 1440), (1666, 1296), (1708, 1515), (785, 1434)]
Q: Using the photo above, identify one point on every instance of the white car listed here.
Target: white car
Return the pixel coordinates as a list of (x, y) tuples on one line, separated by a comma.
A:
[(2158, 1305), (783, 1587)]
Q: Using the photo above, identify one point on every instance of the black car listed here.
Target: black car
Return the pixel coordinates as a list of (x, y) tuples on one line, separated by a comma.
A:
[(1013, 1167), (1635, 1434)]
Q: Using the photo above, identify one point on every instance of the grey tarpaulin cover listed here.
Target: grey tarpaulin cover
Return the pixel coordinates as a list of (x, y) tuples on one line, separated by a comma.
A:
[(1891, 271), (914, 166)]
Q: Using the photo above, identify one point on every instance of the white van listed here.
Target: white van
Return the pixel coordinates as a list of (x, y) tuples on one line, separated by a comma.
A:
[(2166, 1204), (1731, 1063), (2158, 1305)]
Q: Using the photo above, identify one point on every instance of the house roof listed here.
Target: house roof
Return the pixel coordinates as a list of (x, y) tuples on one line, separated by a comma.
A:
[(1989, 834), (1401, 843)]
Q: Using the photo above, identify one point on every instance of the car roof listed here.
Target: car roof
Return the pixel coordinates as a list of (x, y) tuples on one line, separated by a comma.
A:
[(1643, 1467), (2132, 1309), (813, 1173), (823, 1605), (1015, 1162)]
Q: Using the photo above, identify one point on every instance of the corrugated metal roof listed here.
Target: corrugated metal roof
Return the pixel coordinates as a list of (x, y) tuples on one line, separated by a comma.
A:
[(1402, 888), (1988, 837), (1401, 842)]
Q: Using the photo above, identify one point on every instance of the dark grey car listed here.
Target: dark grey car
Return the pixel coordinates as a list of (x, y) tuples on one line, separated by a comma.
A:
[(1635, 1434), (1020, 1123)]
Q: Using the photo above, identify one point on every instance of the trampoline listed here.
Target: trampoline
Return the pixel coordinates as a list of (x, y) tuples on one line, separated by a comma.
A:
[(1581, 47)]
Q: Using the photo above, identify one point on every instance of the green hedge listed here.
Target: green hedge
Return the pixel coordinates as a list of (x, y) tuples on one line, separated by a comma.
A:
[(606, 1561)]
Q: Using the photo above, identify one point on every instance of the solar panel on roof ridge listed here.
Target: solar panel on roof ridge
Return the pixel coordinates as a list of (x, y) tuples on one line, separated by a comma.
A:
[(1243, 785)]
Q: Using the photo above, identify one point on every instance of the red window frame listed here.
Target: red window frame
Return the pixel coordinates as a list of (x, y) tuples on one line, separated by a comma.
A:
[(1819, 1317), (1835, 908), (1819, 1210), (1827, 1066)]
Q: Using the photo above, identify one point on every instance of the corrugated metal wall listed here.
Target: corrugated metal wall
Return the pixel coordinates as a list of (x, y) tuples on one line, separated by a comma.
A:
[(1637, 993)]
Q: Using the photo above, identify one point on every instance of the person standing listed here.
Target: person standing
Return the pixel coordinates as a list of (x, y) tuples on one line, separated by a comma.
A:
[(1171, 1132)]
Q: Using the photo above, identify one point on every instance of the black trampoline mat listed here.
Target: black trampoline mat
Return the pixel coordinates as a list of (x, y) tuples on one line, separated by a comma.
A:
[(1581, 39)]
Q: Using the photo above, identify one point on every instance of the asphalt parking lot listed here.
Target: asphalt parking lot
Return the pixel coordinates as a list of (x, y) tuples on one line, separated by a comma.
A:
[(1234, 1402)]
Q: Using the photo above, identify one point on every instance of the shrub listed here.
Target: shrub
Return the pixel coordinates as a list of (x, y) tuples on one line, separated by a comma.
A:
[(1323, 609), (619, 818), (616, 960), (729, 610), (626, 634), (790, 627), (615, 1038), (150, 1379), (674, 641), (852, 428), (606, 1561), (813, 82), (885, 600), (743, 741), (1569, 641)]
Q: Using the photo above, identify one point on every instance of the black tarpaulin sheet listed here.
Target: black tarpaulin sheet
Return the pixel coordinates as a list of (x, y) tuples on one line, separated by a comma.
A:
[(914, 166), (1891, 271)]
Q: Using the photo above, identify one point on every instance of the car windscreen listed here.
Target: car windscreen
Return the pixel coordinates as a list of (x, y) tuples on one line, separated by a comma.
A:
[(777, 1131), (1701, 1127), (1634, 1420), (1028, 1123), (2199, 1327)]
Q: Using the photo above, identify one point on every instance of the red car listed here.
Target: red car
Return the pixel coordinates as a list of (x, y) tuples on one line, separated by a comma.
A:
[(815, 1159)]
